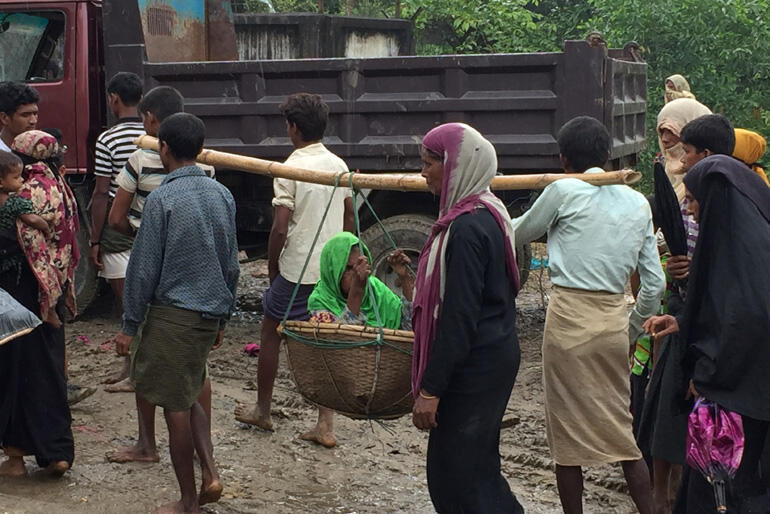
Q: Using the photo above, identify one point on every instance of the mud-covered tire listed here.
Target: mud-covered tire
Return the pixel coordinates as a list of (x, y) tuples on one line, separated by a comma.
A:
[(409, 232), (86, 279), (523, 259)]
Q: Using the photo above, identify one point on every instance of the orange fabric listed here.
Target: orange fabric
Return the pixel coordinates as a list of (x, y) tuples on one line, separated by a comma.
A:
[(749, 148)]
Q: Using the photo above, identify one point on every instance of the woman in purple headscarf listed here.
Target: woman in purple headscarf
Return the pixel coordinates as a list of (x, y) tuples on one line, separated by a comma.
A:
[(466, 353)]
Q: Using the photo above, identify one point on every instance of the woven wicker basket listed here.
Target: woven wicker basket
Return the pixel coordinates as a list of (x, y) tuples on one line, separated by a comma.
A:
[(361, 382)]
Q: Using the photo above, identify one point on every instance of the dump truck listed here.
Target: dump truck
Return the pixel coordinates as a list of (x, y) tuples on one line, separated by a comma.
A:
[(379, 106)]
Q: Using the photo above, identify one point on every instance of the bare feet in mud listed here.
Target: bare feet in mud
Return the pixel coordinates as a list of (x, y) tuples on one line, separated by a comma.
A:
[(57, 468), (13, 467), (319, 436), (252, 416), (132, 454), (210, 493), (124, 386), (176, 508), (116, 377)]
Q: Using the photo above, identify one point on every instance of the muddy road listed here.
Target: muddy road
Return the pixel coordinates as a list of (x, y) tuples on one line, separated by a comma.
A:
[(375, 468)]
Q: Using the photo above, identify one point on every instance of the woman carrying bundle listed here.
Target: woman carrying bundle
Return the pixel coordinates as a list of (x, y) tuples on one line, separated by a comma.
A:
[(466, 354), (342, 296)]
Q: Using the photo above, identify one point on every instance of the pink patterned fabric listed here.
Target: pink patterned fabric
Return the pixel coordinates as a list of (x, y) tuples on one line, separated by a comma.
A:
[(470, 164), (53, 261)]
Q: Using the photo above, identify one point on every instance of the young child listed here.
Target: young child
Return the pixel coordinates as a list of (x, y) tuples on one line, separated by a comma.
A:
[(14, 208)]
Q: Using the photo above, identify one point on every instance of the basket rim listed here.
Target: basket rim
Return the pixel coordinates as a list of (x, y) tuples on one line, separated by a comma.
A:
[(363, 329)]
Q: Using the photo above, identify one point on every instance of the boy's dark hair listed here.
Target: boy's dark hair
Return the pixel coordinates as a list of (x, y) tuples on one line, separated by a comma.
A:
[(584, 142), (711, 132), (309, 113), (184, 135), (162, 102), (128, 86), (15, 94), (8, 161)]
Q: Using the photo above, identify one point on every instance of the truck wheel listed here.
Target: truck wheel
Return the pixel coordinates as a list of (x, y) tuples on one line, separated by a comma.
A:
[(86, 280), (409, 232), (523, 259)]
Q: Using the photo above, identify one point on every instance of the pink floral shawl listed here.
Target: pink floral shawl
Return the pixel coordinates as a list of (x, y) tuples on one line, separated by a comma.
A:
[(53, 261), (470, 163)]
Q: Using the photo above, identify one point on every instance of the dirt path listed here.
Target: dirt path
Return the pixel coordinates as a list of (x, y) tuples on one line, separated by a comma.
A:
[(374, 469)]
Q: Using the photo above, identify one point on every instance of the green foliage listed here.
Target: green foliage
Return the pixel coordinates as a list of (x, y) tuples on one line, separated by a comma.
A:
[(722, 48), (481, 26)]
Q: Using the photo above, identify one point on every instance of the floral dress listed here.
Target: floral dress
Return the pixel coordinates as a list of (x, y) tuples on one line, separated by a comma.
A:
[(53, 261)]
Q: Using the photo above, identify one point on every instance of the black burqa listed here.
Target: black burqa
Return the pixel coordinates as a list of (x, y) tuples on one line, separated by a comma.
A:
[(727, 315), (726, 322), (34, 415)]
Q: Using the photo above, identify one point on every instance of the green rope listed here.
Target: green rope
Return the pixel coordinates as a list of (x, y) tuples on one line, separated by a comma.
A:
[(310, 252), (382, 227)]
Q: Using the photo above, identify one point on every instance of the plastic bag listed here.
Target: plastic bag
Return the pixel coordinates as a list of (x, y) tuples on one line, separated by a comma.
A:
[(15, 319)]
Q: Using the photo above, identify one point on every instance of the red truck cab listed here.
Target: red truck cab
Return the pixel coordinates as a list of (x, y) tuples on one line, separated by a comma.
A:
[(55, 48)]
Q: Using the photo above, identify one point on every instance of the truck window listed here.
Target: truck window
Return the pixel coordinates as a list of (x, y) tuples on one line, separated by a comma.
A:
[(31, 46)]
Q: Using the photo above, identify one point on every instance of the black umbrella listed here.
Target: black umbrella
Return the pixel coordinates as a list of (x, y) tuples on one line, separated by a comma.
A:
[(668, 213)]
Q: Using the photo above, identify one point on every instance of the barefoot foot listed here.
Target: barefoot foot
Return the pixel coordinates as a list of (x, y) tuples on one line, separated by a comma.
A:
[(116, 377), (210, 493), (124, 386), (13, 467), (57, 468), (253, 416), (132, 454), (322, 437), (176, 508)]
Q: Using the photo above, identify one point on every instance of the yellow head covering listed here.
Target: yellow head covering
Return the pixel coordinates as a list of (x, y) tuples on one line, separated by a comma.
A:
[(749, 148), (674, 116)]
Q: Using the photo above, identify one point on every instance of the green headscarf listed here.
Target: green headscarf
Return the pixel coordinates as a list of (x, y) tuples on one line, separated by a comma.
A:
[(327, 295)]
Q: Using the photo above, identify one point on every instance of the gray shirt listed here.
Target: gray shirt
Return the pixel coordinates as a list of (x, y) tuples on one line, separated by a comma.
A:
[(186, 252)]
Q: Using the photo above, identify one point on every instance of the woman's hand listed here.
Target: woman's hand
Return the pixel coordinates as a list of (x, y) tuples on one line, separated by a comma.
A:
[(399, 261), (692, 392), (361, 272), (661, 326), (424, 411), (678, 266)]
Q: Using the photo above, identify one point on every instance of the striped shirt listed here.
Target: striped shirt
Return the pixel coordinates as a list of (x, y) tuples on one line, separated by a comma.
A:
[(114, 146), (141, 175), (691, 227)]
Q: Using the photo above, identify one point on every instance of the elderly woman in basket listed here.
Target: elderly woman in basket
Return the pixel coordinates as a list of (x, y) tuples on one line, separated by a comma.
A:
[(342, 296), (466, 353)]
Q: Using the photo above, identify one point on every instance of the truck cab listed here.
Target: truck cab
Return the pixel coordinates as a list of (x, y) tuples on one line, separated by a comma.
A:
[(56, 48)]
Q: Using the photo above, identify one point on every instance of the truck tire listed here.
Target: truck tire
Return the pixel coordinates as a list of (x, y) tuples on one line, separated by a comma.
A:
[(409, 232), (86, 279), (523, 259)]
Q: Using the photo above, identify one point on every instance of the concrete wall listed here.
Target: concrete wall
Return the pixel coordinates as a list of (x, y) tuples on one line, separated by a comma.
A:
[(301, 36)]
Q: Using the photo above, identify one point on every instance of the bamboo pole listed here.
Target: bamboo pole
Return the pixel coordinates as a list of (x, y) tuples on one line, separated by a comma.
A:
[(390, 181)]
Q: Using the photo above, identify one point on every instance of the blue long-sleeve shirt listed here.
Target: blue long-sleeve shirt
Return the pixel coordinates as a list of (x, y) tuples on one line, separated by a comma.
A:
[(597, 236), (186, 252)]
